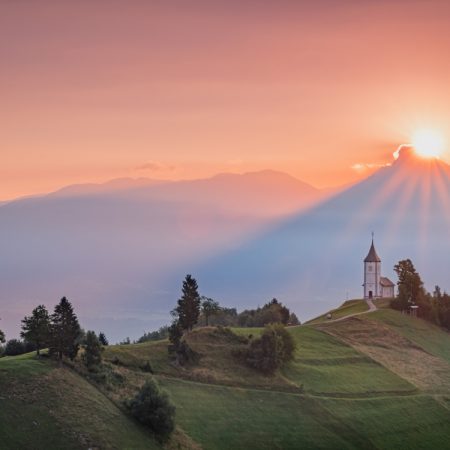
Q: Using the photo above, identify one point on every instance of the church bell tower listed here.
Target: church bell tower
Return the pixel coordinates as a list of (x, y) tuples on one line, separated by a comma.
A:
[(372, 274)]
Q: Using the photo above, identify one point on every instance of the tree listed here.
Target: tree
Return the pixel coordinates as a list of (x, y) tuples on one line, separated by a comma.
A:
[(102, 339), (64, 331), (175, 333), (269, 352), (14, 347), (153, 408), (293, 319), (410, 286), (188, 309), (92, 355), (36, 328), (2, 337), (209, 307)]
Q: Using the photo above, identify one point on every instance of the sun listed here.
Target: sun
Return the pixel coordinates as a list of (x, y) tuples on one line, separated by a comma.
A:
[(428, 143)]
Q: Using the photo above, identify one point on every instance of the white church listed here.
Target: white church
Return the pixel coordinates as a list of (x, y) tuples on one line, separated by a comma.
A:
[(376, 286)]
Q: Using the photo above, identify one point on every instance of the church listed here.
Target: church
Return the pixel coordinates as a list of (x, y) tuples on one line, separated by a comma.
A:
[(376, 286)]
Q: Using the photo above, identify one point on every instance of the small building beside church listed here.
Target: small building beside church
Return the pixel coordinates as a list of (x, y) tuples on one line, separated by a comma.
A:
[(376, 286)]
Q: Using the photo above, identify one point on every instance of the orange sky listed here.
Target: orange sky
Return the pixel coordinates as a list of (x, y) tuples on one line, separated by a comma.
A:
[(92, 90)]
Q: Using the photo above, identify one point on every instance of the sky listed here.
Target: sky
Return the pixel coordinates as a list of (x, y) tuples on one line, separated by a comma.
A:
[(323, 90)]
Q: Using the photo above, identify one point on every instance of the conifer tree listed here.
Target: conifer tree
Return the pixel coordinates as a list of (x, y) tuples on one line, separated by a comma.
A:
[(36, 328), (102, 339), (92, 355), (188, 309), (64, 331), (2, 337)]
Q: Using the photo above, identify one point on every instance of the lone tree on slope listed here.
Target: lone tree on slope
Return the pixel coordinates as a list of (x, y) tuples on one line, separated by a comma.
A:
[(410, 285), (36, 328), (188, 310), (64, 331)]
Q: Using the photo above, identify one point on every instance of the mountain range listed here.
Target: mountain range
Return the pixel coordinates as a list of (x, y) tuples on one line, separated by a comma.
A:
[(120, 250), (110, 247)]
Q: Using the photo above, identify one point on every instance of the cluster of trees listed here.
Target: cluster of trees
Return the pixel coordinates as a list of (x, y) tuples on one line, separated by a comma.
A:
[(60, 332), (211, 313), (161, 333), (272, 312), (434, 307)]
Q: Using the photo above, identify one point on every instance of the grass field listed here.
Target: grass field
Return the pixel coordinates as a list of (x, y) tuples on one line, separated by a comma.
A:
[(252, 419), (379, 380)]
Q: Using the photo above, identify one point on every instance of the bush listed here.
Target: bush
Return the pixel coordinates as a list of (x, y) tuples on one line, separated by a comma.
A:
[(269, 352), (153, 408), (106, 375)]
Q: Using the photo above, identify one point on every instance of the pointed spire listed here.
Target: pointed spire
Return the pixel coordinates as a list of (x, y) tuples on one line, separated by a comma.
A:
[(372, 256)]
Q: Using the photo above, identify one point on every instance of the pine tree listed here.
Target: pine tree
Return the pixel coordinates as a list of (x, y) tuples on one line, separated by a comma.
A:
[(188, 309), (64, 331), (2, 337), (36, 328), (92, 355), (102, 339)]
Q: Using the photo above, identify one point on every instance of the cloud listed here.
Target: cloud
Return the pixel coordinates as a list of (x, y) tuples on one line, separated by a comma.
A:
[(363, 167), (155, 166)]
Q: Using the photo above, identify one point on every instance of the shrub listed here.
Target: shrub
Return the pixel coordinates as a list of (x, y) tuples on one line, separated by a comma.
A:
[(146, 367), (153, 408), (269, 352)]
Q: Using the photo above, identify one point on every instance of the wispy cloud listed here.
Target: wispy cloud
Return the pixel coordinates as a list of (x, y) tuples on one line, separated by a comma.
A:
[(364, 167), (155, 166)]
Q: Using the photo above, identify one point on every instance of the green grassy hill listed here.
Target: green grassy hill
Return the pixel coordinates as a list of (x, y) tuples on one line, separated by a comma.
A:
[(43, 406), (376, 380)]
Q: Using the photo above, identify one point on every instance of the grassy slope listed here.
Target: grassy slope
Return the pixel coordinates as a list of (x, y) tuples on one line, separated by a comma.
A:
[(325, 365), (347, 308), (43, 406), (428, 336)]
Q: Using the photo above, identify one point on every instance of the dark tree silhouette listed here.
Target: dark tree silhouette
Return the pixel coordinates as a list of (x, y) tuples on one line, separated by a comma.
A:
[(188, 309), (64, 331), (36, 328), (102, 338)]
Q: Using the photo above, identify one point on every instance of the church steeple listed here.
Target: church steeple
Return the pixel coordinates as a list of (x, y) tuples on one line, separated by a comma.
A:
[(372, 256)]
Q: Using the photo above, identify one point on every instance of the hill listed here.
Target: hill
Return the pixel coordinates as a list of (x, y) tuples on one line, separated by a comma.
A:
[(373, 380)]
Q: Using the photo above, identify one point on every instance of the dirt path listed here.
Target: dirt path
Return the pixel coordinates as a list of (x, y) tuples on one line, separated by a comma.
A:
[(370, 304)]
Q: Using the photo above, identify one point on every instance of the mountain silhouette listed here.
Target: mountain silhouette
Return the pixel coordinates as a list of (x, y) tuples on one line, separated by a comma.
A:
[(111, 248)]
